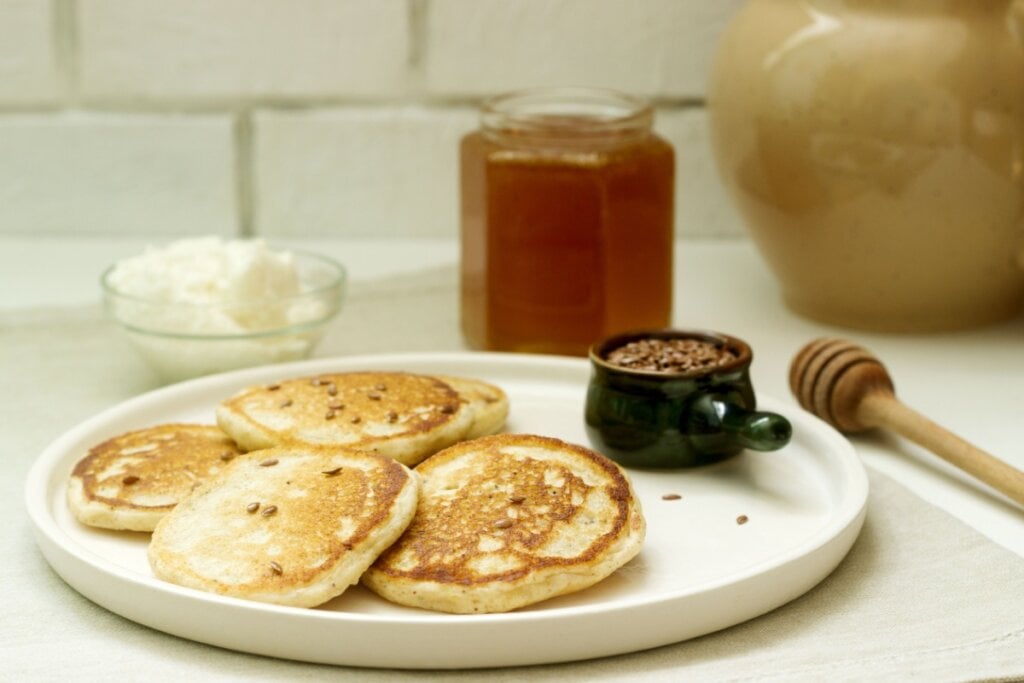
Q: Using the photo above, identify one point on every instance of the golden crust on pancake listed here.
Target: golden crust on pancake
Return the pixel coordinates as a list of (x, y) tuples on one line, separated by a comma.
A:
[(132, 480), (507, 521), (402, 415), (488, 402), (294, 525)]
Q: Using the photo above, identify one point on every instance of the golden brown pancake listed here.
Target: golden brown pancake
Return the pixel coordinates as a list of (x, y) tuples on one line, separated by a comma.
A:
[(507, 521), (294, 525), (488, 402), (402, 415), (131, 481)]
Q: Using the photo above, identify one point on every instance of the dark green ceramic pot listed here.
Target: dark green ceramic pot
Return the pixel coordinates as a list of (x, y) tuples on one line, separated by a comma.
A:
[(643, 418)]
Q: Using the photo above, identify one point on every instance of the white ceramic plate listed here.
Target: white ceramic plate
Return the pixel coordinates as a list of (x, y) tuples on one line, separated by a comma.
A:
[(699, 570)]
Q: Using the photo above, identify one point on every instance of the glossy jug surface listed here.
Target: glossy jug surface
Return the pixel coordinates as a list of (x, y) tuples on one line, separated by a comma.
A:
[(876, 152)]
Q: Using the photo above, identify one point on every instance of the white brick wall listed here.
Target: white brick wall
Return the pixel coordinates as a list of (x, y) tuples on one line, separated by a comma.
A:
[(197, 51), (366, 172), (117, 173), (313, 117), (28, 52), (653, 47)]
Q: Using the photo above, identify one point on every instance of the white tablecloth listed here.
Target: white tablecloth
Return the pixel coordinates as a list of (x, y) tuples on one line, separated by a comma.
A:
[(921, 596)]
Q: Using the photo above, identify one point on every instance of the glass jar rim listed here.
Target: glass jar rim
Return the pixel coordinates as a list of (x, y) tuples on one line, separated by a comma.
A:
[(566, 112)]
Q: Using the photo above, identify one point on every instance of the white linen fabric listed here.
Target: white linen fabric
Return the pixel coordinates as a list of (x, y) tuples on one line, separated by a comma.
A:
[(921, 596)]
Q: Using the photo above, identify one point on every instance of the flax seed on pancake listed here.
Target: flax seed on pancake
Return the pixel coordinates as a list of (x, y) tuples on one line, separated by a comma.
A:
[(295, 525), (132, 480), (403, 415)]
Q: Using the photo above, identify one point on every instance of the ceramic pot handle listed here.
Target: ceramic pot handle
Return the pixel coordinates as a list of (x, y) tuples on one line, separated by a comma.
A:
[(759, 431)]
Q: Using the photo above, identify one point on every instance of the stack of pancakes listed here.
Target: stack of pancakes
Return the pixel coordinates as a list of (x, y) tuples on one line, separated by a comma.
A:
[(307, 486)]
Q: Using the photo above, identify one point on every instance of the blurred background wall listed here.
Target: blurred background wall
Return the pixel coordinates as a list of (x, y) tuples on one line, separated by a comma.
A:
[(301, 118)]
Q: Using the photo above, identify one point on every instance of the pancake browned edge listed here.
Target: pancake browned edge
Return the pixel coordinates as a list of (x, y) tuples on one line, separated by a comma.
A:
[(290, 526), (402, 415), (489, 403), (131, 481), (510, 520)]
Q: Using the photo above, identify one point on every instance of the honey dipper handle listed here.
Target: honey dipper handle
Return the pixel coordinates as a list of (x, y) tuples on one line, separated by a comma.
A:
[(883, 409)]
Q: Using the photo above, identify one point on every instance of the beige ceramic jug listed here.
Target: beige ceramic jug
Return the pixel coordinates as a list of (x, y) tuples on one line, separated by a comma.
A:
[(875, 149)]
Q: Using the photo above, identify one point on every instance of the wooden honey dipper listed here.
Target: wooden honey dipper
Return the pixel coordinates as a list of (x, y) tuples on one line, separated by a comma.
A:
[(849, 388)]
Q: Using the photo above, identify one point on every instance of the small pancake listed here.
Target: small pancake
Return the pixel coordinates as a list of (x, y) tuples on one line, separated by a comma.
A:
[(290, 526), (131, 481), (488, 402), (510, 520), (402, 415)]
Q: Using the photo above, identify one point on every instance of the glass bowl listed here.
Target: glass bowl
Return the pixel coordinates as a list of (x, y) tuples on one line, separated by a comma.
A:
[(184, 340)]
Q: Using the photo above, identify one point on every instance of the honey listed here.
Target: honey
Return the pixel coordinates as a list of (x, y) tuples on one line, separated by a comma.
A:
[(567, 221)]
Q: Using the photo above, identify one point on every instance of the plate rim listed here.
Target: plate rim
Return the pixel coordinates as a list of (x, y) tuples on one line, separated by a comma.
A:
[(843, 526)]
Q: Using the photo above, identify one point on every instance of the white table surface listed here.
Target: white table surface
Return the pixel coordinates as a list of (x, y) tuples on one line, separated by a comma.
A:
[(968, 381), (891, 611)]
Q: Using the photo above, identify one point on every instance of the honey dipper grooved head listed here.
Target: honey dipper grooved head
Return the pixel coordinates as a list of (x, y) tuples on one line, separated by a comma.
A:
[(830, 378)]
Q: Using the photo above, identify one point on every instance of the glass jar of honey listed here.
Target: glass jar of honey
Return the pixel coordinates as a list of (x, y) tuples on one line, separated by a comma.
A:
[(567, 221)]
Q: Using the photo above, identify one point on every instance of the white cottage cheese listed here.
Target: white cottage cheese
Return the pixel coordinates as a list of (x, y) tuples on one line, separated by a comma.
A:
[(219, 290), (212, 286)]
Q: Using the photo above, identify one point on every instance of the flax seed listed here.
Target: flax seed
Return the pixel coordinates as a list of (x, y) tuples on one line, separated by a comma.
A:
[(671, 355)]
